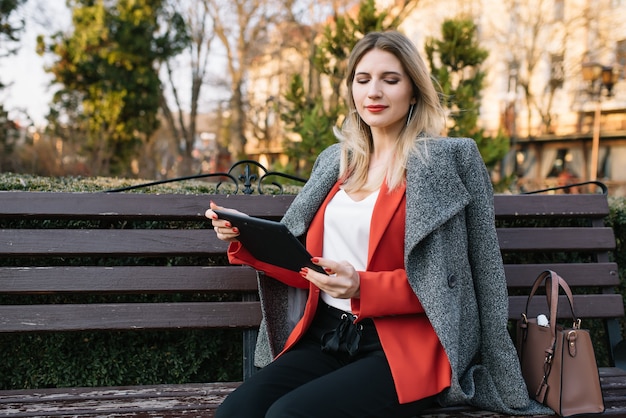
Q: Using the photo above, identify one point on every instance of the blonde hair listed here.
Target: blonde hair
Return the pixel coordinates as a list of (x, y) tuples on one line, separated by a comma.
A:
[(427, 119)]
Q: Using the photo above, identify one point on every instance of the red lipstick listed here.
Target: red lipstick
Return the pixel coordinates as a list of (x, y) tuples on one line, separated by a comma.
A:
[(376, 108)]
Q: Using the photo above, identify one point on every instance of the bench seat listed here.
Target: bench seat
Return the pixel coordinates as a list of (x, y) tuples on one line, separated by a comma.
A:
[(200, 400)]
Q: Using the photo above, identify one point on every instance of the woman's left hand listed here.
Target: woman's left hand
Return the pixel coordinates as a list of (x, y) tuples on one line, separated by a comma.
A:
[(342, 281), (224, 230)]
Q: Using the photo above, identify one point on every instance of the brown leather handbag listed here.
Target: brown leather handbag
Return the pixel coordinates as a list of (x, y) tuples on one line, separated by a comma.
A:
[(558, 364)]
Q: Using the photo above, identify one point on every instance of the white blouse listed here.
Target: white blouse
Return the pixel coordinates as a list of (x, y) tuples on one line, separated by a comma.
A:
[(346, 235)]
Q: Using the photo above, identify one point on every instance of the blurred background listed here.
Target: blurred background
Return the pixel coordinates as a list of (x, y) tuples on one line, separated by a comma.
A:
[(155, 89)]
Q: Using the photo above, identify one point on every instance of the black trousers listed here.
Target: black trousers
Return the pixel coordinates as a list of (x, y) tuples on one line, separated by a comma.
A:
[(312, 382)]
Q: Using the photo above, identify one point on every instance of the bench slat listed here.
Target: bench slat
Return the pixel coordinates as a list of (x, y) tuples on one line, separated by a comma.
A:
[(202, 399), (129, 316), (576, 274), (119, 392), (110, 242), (157, 400), (161, 242), (174, 206), (19, 318), (64, 205), (127, 279), (551, 206), (157, 279), (556, 239), (586, 306)]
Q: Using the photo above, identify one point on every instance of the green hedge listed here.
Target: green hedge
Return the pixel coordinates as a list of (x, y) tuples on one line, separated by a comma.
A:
[(119, 358), (617, 221), (151, 357)]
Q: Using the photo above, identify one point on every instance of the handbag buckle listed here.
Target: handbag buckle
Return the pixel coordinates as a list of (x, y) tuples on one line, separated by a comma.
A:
[(571, 342)]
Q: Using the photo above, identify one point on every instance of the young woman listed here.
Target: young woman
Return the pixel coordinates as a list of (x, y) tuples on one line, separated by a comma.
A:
[(414, 307)]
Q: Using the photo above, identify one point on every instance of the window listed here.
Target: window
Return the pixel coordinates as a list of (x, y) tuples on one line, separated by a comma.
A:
[(620, 58), (557, 74), (513, 76), (559, 10), (565, 166)]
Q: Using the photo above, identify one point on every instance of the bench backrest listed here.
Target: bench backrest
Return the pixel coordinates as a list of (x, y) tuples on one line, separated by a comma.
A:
[(119, 243), (135, 244), (564, 228)]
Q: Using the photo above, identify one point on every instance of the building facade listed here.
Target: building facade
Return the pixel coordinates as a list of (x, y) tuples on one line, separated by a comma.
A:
[(555, 84)]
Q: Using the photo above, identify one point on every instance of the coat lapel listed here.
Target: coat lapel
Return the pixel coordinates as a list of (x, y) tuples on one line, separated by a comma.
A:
[(304, 207), (434, 192)]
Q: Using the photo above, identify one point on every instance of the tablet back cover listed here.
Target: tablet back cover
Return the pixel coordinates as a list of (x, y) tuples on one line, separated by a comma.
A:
[(270, 241)]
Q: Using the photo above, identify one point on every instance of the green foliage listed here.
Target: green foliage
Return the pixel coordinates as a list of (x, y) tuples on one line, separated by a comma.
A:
[(307, 118), (27, 182), (458, 48), (617, 221), (110, 85), (455, 61), (492, 149), (8, 138), (10, 30), (119, 358), (10, 27)]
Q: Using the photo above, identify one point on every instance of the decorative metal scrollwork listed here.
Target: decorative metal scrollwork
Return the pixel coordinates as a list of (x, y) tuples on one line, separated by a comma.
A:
[(248, 179), (245, 180)]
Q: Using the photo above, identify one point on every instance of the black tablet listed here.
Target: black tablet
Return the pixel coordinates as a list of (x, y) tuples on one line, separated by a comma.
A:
[(270, 241)]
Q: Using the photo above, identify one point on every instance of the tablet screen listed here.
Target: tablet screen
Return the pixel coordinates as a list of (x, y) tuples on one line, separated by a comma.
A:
[(270, 241)]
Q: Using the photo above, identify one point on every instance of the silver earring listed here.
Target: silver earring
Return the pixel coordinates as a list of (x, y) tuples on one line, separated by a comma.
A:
[(408, 120)]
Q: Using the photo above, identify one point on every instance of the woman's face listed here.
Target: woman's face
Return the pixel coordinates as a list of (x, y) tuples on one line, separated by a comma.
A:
[(382, 91)]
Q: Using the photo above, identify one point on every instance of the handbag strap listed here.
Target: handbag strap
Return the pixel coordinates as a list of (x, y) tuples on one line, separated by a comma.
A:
[(552, 284), (563, 285)]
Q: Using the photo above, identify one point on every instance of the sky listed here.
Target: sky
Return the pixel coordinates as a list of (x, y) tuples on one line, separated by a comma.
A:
[(24, 73)]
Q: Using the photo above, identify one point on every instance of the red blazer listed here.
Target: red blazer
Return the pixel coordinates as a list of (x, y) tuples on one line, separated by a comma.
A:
[(418, 363)]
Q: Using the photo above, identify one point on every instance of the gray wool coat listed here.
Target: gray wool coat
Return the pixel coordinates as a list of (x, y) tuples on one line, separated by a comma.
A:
[(453, 264)]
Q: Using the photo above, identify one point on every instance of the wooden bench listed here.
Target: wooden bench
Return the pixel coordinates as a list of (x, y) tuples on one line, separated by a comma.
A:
[(43, 261)]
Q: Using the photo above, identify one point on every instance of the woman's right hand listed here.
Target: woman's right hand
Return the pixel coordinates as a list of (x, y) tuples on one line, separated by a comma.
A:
[(223, 229)]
